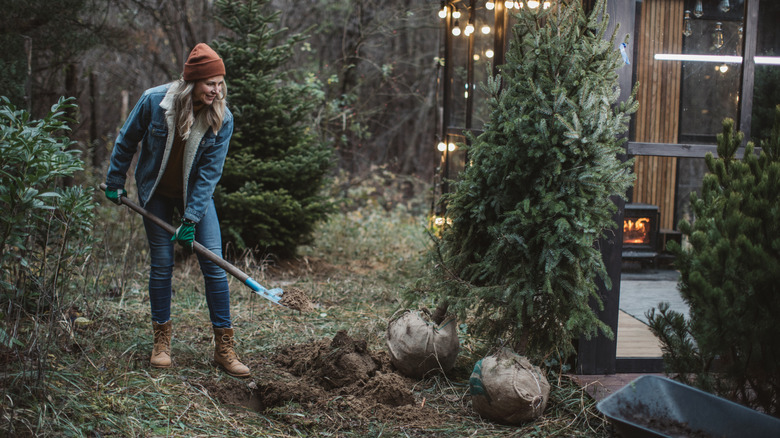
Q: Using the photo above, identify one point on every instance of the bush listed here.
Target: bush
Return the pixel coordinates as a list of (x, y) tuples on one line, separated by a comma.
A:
[(730, 278), (44, 229)]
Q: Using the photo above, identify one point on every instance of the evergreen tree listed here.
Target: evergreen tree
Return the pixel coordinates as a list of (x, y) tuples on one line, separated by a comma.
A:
[(270, 194), (535, 197), (730, 278)]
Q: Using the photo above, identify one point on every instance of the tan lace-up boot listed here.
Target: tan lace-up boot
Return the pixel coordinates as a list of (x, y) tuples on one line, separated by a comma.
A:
[(161, 352), (225, 356)]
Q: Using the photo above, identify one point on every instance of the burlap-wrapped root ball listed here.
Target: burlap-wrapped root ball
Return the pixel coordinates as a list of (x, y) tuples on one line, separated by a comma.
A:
[(506, 388), (417, 345)]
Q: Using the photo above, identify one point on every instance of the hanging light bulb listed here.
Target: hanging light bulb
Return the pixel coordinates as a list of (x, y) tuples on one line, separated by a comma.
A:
[(723, 68), (469, 29), (724, 5), (698, 10), (456, 29), (489, 53), (718, 38), (533, 4), (441, 146), (451, 147), (490, 6), (740, 33), (546, 5), (687, 30), (443, 11), (509, 5), (456, 14), (486, 29)]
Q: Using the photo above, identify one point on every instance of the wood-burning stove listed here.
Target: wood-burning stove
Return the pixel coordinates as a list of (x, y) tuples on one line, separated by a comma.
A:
[(640, 231)]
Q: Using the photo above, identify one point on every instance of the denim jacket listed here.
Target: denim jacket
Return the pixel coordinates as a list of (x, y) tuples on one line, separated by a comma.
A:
[(204, 152)]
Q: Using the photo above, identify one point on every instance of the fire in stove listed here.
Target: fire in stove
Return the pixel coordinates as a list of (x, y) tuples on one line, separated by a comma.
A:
[(640, 227), (636, 231)]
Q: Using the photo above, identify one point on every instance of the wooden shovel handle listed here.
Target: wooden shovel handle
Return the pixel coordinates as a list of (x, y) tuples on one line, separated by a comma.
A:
[(200, 249)]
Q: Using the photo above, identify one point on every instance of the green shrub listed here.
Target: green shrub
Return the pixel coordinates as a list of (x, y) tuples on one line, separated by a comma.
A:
[(44, 229), (730, 278)]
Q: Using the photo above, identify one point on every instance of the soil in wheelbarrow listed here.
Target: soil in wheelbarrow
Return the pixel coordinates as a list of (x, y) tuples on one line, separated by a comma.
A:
[(326, 378), (640, 415)]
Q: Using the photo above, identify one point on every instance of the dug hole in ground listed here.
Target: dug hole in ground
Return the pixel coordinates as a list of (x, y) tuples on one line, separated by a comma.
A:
[(342, 373)]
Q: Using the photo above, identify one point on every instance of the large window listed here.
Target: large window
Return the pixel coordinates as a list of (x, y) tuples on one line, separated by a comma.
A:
[(474, 43), (766, 94), (697, 63)]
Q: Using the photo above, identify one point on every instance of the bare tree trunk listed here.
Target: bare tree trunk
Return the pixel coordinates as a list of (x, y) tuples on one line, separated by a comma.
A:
[(71, 90), (28, 76), (98, 150)]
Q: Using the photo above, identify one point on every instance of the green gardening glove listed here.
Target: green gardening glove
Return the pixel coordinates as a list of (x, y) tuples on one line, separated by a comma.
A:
[(185, 234), (113, 195)]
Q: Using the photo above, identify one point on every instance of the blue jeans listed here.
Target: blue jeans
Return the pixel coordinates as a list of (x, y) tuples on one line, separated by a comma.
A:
[(161, 250)]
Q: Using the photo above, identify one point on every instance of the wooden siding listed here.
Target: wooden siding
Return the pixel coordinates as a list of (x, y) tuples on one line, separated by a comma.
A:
[(657, 119)]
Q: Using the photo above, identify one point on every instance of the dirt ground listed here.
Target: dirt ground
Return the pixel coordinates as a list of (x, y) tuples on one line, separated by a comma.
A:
[(326, 377)]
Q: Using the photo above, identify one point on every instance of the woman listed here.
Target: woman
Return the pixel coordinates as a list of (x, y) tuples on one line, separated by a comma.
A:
[(183, 129)]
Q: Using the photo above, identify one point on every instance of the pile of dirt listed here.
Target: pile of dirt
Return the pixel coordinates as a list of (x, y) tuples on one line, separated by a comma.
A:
[(329, 376), (296, 299)]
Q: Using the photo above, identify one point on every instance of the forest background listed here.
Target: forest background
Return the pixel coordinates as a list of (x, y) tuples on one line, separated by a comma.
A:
[(375, 63)]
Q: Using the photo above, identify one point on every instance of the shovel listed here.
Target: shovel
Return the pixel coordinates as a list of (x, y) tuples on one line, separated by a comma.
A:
[(273, 295)]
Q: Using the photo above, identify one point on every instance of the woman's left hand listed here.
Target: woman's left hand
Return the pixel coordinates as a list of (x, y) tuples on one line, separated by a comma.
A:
[(185, 234)]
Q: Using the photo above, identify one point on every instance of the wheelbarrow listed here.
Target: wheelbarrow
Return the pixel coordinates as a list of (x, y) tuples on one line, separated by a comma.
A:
[(652, 406)]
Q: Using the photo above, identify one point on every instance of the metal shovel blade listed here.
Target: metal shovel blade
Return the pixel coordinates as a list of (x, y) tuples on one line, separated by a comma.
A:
[(274, 295)]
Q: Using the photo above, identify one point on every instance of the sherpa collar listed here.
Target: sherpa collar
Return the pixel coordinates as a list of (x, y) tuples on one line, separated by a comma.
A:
[(197, 132)]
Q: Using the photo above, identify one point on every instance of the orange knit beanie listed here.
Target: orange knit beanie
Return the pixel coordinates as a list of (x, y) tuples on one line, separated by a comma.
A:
[(203, 63)]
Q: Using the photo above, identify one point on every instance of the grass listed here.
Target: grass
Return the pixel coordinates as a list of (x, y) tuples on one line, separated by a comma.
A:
[(98, 382)]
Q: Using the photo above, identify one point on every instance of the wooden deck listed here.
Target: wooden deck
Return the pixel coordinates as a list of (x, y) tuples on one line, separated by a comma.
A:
[(634, 338)]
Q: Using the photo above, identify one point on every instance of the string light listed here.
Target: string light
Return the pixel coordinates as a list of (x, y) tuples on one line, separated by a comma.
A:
[(490, 6), (547, 5), (489, 53), (533, 4), (469, 29), (456, 29), (698, 10), (451, 147), (441, 220), (509, 5), (486, 29), (443, 12), (441, 146), (718, 41), (456, 14)]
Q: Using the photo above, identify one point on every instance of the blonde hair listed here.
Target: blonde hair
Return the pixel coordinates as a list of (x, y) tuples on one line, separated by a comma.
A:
[(182, 110)]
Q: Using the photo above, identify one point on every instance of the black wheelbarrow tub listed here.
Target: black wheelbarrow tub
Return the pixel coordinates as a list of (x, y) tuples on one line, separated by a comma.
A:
[(652, 406)]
